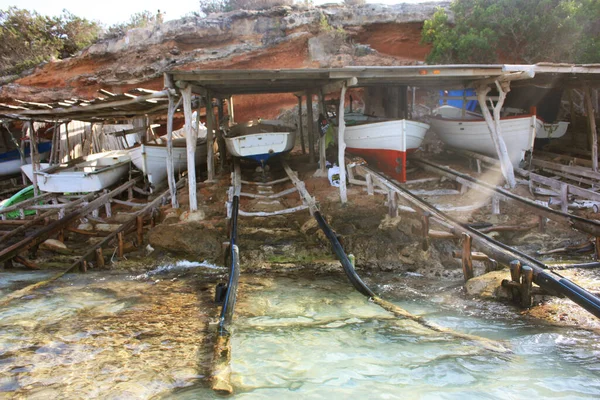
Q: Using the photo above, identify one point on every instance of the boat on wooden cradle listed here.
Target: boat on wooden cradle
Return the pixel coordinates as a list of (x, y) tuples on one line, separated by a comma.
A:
[(151, 157), (470, 132), (10, 161), (551, 131), (385, 143), (259, 140), (95, 172)]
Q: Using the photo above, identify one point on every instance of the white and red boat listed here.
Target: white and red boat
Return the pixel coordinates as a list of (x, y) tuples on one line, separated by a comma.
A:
[(471, 132), (385, 143)]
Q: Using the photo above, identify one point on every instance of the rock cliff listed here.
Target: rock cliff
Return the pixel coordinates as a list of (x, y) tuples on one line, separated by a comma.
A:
[(282, 37)]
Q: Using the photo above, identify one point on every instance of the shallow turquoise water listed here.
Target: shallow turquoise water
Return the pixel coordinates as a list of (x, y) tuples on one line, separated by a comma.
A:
[(150, 336)]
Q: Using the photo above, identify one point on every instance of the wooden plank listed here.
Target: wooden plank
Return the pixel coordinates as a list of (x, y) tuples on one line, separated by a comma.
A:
[(574, 170), (190, 142), (342, 146)]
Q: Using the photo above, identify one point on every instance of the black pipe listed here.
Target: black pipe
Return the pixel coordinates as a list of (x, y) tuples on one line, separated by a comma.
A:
[(500, 251), (234, 272), (341, 255)]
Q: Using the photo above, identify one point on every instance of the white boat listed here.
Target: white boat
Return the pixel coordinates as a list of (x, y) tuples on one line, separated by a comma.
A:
[(471, 132), (551, 131), (386, 143), (259, 140), (10, 161), (151, 158), (96, 172)]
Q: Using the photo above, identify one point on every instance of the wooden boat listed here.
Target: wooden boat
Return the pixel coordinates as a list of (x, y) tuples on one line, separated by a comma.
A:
[(94, 173), (259, 140), (22, 195), (10, 161), (151, 158), (551, 131), (385, 143), (471, 132)]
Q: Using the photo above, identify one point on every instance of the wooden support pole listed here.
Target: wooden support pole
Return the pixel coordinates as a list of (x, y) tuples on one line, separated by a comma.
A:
[(99, 258), (515, 276), (342, 149), (34, 156), (495, 205), (190, 143), (564, 197), (425, 231), (310, 123), (467, 261), (67, 141), (140, 229), (369, 180), (593, 134), (121, 245), (220, 138), (493, 124), (392, 204), (322, 156), (170, 166), (541, 223), (210, 127), (300, 125), (107, 207), (83, 266), (230, 110), (526, 286)]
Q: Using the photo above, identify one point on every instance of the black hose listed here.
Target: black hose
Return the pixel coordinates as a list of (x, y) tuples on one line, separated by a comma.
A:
[(234, 272), (341, 255)]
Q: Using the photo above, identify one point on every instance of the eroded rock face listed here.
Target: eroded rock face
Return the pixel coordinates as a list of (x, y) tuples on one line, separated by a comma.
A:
[(275, 38), (202, 241)]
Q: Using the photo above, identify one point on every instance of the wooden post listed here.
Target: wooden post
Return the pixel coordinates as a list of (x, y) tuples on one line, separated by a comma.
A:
[(370, 189), (495, 205), (121, 245), (392, 204), (342, 147), (425, 231), (220, 138), (99, 258), (230, 109), (300, 128), (83, 266), (68, 143), (564, 197), (541, 224), (589, 108), (467, 261), (140, 229), (310, 122), (210, 126), (34, 156), (190, 143), (55, 134), (526, 286), (494, 128), (515, 276), (170, 166), (322, 156)]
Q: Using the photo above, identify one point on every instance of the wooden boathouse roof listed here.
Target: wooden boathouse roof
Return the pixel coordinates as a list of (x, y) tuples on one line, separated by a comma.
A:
[(223, 83)]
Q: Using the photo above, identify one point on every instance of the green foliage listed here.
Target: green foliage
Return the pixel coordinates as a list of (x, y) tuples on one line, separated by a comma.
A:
[(27, 38), (530, 31), (137, 20)]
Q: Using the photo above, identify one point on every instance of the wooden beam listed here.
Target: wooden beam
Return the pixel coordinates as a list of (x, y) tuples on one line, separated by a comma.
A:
[(342, 146), (300, 127), (495, 131), (310, 121), (170, 165), (592, 125), (210, 127), (190, 144), (322, 171)]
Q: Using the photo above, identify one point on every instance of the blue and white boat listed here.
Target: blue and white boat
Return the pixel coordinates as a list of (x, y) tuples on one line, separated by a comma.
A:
[(260, 140), (10, 161)]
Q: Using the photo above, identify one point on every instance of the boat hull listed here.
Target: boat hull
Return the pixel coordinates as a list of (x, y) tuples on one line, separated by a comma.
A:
[(386, 143), (10, 162), (152, 160), (97, 172), (260, 147), (474, 135)]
